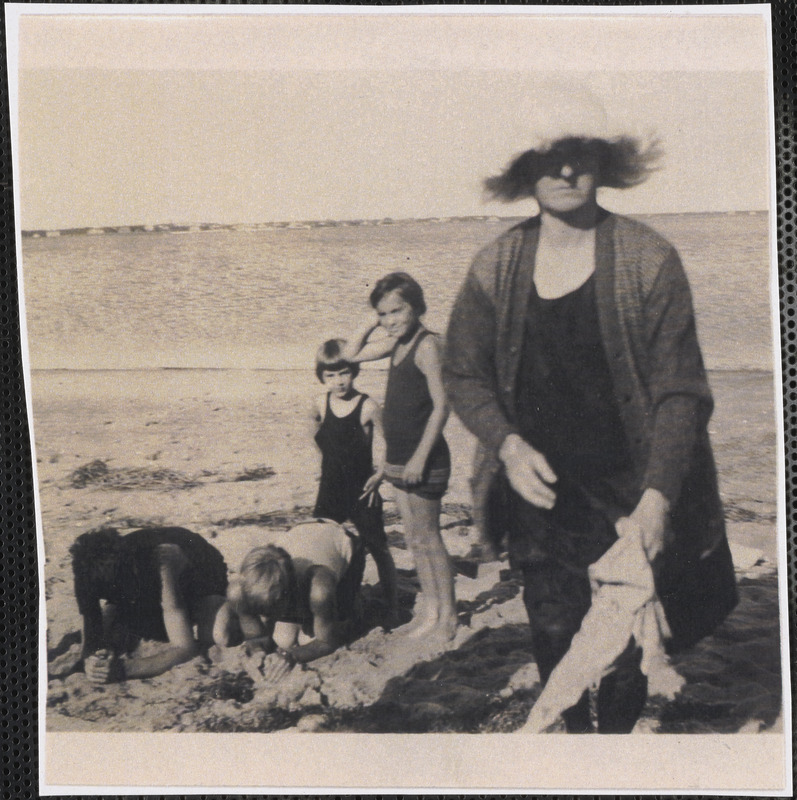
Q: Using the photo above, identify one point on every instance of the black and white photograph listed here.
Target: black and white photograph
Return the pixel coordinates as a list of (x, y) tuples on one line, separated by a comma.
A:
[(404, 395)]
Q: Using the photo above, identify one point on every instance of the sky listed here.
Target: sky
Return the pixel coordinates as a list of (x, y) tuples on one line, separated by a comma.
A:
[(256, 117)]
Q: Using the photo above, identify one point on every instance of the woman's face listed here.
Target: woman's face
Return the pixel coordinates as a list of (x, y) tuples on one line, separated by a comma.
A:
[(396, 315), (568, 183)]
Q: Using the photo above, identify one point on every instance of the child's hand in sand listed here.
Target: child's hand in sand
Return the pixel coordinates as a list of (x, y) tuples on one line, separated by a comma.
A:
[(103, 667), (277, 665), (261, 644)]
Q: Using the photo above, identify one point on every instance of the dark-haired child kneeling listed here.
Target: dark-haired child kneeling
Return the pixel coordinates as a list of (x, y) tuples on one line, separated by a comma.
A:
[(158, 584)]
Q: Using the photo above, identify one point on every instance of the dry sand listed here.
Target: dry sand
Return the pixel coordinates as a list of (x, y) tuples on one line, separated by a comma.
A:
[(228, 454)]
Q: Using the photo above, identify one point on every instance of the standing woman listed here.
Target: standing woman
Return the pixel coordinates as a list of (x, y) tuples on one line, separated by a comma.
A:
[(572, 355)]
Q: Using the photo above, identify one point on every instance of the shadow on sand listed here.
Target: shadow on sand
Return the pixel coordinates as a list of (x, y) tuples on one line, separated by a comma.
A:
[(733, 681)]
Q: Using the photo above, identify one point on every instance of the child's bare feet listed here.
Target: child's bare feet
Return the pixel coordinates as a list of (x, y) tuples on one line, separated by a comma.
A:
[(446, 629), (437, 628), (420, 614), (418, 622)]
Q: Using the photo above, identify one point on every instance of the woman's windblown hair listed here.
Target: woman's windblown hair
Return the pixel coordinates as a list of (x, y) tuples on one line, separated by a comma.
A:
[(618, 163)]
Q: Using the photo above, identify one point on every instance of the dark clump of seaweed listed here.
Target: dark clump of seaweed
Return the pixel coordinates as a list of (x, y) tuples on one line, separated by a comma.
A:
[(97, 473), (259, 473), (91, 473), (269, 519)]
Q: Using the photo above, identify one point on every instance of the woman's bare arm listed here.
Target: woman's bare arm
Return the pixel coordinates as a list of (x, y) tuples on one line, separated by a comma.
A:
[(315, 414)]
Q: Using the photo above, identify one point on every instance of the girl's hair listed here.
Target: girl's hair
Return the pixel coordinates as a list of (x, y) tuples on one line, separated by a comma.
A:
[(408, 288), (267, 578), (96, 559), (618, 163), (329, 358)]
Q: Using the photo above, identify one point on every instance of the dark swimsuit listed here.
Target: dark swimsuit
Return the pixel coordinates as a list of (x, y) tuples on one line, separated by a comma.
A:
[(567, 410), (408, 406), (345, 463)]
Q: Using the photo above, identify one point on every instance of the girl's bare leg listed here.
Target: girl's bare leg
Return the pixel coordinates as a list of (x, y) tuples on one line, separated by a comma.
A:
[(442, 572), (424, 610), (388, 582), (442, 621)]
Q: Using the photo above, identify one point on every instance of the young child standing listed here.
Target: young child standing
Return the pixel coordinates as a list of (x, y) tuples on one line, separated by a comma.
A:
[(348, 431), (418, 462)]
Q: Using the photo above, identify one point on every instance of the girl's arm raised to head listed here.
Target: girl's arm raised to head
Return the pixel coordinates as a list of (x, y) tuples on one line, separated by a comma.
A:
[(358, 348), (427, 359)]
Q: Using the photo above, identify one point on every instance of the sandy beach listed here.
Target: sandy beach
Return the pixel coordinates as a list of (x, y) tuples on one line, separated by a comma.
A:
[(228, 454)]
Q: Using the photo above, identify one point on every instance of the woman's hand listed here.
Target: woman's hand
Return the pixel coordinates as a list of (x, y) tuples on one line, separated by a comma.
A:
[(650, 520), (528, 472), (413, 470)]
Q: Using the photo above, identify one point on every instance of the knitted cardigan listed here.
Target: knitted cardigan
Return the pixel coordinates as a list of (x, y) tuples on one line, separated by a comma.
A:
[(648, 330)]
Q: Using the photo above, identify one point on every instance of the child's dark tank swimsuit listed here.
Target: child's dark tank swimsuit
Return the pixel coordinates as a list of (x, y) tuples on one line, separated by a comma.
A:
[(345, 463), (408, 406)]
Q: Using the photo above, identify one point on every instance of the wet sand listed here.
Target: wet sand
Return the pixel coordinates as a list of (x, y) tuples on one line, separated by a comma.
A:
[(228, 454)]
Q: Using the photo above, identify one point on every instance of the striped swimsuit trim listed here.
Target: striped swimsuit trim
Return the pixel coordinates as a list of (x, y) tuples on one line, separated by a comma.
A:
[(435, 478)]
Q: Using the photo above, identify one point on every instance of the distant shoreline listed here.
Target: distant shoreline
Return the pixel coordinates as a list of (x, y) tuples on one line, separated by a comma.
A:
[(731, 371), (205, 227)]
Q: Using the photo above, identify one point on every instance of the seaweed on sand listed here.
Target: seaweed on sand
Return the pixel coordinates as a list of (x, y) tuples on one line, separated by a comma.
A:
[(98, 473)]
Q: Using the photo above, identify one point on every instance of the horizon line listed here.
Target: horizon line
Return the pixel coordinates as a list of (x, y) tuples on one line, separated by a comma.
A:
[(198, 227), (739, 370)]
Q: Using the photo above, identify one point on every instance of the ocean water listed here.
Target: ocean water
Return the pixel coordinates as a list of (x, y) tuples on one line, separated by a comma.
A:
[(266, 298)]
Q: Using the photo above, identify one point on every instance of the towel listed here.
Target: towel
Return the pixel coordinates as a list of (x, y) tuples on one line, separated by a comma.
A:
[(624, 605)]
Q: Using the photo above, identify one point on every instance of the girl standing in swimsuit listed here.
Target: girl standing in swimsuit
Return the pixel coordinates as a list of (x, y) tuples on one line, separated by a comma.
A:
[(418, 462), (347, 426)]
